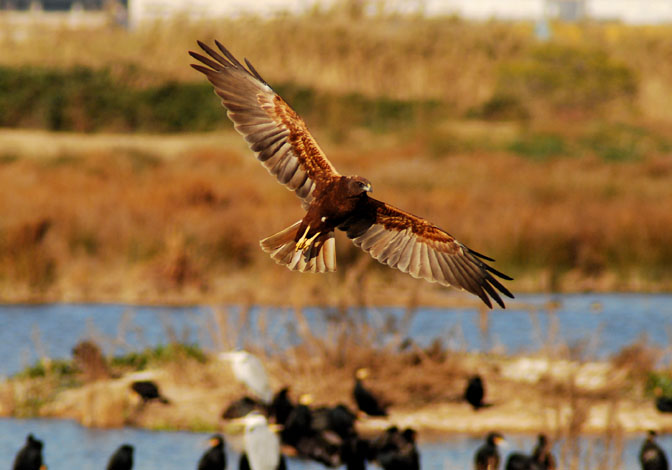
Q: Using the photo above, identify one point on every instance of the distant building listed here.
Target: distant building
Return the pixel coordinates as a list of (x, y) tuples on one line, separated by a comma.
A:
[(631, 11), (149, 11), (51, 5), (144, 11), (627, 11)]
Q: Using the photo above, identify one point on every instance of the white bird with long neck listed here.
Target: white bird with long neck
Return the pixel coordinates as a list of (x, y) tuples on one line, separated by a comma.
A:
[(248, 369)]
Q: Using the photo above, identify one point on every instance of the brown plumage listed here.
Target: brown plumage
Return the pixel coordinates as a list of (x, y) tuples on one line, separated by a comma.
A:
[(281, 141)]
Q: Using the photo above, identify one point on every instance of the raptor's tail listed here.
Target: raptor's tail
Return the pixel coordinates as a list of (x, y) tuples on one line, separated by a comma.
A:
[(318, 257)]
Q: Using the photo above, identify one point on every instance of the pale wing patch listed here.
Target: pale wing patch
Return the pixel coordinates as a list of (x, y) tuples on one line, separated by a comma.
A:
[(414, 246)]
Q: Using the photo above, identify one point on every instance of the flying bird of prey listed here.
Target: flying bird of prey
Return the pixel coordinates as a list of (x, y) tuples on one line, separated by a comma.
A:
[(281, 141)]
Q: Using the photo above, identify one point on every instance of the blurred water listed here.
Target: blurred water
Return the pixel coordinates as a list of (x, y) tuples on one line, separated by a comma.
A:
[(70, 446), (602, 323)]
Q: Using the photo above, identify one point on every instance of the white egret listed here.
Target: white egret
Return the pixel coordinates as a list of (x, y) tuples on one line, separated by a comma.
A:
[(260, 442), (248, 369)]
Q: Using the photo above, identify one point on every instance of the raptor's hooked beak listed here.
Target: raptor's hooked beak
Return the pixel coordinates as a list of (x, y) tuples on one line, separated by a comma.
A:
[(368, 188)]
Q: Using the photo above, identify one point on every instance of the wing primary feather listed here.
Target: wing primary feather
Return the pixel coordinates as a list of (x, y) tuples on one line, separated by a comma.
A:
[(479, 275), (497, 273), (254, 72), (500, 287), (212, 53), (473, 268), (481, 269), (480, 255), (464, 278), (493, 293), (228, 55), (207, 61), (204, 70)]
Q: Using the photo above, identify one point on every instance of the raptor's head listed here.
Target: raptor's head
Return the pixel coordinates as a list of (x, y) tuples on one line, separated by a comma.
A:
[(358, 185)]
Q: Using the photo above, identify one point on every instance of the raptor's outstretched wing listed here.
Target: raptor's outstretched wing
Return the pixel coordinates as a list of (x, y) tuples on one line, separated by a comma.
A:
[(277, 135), (415, 246)]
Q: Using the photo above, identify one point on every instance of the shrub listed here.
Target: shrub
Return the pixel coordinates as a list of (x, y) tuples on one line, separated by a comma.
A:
[(567, 79)]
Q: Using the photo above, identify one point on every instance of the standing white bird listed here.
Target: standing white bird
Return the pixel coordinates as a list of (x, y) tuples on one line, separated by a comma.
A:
[(262, 444), (248, 369)]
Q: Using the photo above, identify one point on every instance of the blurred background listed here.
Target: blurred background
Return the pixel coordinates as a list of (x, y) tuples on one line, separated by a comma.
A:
[(538, 132), (534, 131)]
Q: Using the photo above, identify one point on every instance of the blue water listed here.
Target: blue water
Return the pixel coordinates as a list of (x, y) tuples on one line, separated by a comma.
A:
[(597, 324), (71, 446)]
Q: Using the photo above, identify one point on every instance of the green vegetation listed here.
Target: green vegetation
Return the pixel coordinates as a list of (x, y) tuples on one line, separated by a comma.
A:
[(65, 372), (58, 368), (658, 379), (159, 355), (87, 100), (568, 80)]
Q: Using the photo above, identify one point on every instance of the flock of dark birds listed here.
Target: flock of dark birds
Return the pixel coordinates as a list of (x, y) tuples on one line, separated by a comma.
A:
[(327, 435)]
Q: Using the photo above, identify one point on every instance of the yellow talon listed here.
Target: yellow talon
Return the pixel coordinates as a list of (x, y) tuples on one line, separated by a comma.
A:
[(302, 241), (310, 240)]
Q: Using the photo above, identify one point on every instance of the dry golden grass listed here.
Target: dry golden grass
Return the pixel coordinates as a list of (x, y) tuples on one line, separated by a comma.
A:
[(177, 218), (127, 223)]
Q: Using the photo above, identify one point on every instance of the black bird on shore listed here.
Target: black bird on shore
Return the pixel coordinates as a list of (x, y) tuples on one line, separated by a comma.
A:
[(518, 461), (242, 407), (299, 423), (122, 459), (311, 438), (475, 392), (487, 456), (541, 458), (663, 403), (397, 450), (651, 456), (542, 453), (148, 391), (30, 455), (214, 458), (366, 401), (354, 452), (338, 419), (281, 406)]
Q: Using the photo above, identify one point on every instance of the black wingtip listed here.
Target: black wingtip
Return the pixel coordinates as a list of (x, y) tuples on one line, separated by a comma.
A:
[(254, 71), (493, 293), (481, 255), (200, 68), (486, 300)]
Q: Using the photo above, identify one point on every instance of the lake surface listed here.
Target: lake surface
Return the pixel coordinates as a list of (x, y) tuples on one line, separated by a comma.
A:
[(602, 324), (68, 445)]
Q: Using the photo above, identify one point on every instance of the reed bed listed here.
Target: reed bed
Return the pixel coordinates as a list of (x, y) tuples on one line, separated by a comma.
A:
[(124, 221)]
